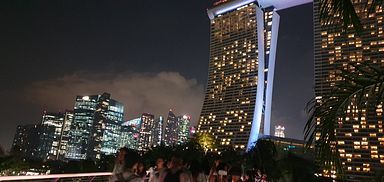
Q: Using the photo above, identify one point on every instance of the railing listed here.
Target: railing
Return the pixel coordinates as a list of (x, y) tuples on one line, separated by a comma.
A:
[(78, 177)]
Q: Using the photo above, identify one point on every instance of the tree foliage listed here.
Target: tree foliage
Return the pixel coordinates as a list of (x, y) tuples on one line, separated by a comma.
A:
[(344, 11), (361, 88)]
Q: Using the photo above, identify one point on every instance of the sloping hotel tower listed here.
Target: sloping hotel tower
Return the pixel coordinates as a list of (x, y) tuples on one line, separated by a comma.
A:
[(238, 97)]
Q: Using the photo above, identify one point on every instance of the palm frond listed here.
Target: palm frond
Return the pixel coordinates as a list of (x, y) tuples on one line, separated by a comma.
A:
[(363, 87), (332, 11)]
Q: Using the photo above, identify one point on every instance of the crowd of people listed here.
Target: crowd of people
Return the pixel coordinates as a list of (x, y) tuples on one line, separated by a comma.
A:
[(129, 168)]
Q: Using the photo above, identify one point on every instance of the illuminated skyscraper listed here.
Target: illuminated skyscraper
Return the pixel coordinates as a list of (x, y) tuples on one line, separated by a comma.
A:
[(130, 133), (107, 121), (81, 127), (237, 103), (360, 136), (145, 135), (56, 120), (170, 129), (95, 127), (279, 131), (157, 131), (64, 137), (183, 128)]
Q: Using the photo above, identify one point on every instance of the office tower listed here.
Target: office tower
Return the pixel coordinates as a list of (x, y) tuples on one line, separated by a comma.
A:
[(183, 129), (157, 131), (145, 135), (129, 138), (134, 123), (170, 129), (279, 131), (56, 120), (130, 133), (64, 137), (359, 135), (81, 126), (108, 117), (34, 141), (95, 127)]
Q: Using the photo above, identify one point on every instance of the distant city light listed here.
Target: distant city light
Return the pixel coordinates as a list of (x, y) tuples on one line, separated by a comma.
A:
[(85, 98), (279, 131)]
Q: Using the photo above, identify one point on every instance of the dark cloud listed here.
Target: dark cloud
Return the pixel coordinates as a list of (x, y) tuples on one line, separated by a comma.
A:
[(139, 92)]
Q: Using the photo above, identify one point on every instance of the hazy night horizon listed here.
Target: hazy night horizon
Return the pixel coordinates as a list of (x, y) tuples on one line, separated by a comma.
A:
[(151, 56)]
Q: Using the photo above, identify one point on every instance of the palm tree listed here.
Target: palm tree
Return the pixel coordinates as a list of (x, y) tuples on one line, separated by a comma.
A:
[(263, 156), (363, 88), (346, 10)]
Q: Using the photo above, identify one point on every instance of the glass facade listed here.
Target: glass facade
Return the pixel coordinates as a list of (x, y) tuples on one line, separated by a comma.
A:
[(95, 128), (130, 133), (56, 120), (157, 132), (107, 122), (359, 136), (183, 129), (145, 138), (81, 127), (170, 129), (64, 137)]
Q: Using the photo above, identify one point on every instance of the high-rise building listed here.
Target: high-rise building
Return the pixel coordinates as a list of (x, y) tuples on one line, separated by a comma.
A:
[(129, 138), (359, 135), (145, 135), (64, 137), (279, 131), (130, 134), (95, 127), (56, 120), (106, 128), (170, 129), (134, 123), (34, 141), (81, 127), (157, 131), (233, 100), (243, 43), (183, 128)]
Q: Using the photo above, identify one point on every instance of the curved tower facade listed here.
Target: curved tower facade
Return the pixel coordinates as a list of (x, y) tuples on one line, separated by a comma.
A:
[(237, 101)]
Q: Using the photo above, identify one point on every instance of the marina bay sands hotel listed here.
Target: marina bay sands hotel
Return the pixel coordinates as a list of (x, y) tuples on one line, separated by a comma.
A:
[(238, 97), (243, 43)]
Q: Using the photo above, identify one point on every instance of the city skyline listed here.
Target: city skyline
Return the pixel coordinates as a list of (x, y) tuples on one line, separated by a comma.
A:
[(189, 74), (95, 128)]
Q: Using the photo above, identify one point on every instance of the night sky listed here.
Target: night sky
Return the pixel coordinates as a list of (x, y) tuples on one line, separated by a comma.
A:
[(150, 55)]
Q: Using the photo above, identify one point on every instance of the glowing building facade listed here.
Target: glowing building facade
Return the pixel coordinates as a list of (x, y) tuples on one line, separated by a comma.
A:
[(106, 128), (145, 136), (81, 127), (279, 131), (34, 141), (170, 129), (130, 133), (157, 131), (95, 128), (55, 120), (64, 137), (183, 129), (360, 136), (238, 98)]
